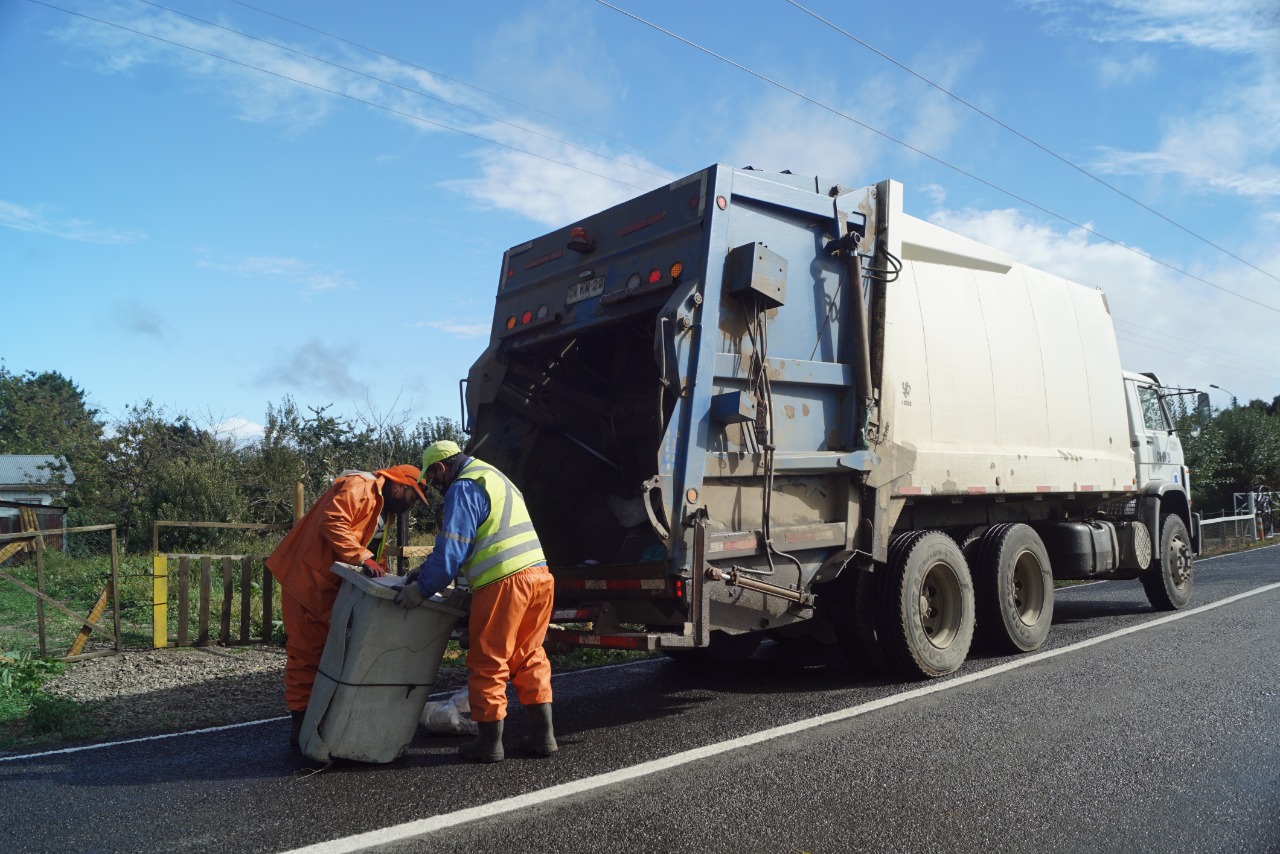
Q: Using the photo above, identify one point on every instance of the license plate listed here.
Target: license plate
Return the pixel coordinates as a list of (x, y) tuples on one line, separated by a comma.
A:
[(579, 291)]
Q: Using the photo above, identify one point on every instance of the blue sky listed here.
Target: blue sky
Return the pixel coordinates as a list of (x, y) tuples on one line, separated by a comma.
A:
[(213, 204)]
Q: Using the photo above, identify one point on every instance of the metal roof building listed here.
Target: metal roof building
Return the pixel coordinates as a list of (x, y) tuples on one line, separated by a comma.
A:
[(32, 478)]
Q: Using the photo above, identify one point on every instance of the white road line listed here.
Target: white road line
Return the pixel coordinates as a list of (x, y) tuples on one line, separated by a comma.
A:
[(409, 830), (85, 747)]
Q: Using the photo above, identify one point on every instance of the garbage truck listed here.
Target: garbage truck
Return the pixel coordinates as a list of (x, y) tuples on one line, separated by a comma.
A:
[(749, 405)]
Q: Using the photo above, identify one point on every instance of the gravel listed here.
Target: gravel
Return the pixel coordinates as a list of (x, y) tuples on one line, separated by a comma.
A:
[(170, 690)]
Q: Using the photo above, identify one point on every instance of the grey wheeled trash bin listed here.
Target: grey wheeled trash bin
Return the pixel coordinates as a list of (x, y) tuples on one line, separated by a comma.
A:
[(378, 666)]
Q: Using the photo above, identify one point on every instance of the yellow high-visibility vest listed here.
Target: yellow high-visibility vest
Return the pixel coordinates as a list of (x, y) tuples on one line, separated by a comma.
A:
[(505, 542)]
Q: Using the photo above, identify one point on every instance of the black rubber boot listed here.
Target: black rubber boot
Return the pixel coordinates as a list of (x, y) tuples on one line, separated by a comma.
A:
[(485, 747), (541, 740), (295, 731)]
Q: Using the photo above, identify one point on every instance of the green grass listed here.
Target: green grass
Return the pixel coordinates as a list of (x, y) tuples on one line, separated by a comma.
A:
[(27, 714)]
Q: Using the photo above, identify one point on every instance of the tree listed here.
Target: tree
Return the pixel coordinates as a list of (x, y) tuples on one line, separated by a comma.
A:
[(163, 467), (1236, 452), (47, 413)]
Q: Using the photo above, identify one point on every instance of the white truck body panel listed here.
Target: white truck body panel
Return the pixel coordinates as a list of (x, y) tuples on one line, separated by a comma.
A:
[(1003, 378)]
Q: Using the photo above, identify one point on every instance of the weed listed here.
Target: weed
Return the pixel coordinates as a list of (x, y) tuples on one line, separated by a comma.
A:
[(58, 716), (26, 710)]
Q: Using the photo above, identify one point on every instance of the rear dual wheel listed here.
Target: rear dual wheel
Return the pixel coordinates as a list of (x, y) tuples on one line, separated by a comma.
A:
[(1014, 586), (913, 616)]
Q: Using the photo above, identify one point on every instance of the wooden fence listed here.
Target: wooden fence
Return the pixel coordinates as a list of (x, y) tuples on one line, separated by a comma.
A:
[(198, 577), (33, 539)]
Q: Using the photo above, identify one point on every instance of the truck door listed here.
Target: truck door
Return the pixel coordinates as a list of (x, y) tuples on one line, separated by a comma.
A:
[(1157, 452)]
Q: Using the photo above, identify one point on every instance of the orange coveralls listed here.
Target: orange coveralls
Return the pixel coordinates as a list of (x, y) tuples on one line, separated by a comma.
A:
[(507, 627), (337, 528)]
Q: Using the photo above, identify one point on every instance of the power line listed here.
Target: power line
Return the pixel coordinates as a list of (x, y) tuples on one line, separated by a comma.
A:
[(346, 95), (471, 86), (932, 157), (1195, 357), (1245, 362), (1028, 139)]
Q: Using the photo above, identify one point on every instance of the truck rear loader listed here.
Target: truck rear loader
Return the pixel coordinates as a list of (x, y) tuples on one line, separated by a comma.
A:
[(747, 405)]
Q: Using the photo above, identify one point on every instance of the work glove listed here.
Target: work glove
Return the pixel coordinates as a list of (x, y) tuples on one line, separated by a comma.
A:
[(409, 596), (412, 575), (373, 569)]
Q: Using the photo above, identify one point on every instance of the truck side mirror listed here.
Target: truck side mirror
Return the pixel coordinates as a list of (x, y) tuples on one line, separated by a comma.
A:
[(1204, 414)]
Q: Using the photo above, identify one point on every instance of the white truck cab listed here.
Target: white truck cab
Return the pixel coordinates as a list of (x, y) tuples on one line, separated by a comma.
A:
[(1157, 450)]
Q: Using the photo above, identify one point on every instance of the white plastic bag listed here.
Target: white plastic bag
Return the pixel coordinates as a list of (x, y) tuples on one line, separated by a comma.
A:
[(450, 716)]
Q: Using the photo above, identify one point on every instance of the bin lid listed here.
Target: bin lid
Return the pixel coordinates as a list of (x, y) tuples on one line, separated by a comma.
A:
[(388, 586)]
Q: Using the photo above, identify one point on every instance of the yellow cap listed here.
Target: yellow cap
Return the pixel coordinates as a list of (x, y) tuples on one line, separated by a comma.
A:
[(438, 451)]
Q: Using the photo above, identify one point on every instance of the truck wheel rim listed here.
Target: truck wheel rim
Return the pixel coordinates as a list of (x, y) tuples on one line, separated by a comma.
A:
[(940, 605), (1026, 591), (1179, 558)]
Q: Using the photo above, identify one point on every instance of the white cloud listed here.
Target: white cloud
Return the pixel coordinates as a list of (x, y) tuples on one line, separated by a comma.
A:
[(1230, 143), (782, 132), (240, 430), (1115, 71), (547, 192), (1187, 332), (457, 328), (45, 220), (580, 75), (202, 52), (1227, 26), (1230, 147), (303, 275)]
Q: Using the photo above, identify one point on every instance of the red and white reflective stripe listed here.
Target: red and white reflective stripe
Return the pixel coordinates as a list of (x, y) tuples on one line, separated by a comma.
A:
[(615, 584), (612, 641), (733, 545), (573, 614)]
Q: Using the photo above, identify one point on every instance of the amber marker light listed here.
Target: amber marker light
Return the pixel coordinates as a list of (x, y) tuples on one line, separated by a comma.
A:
[(511, 322), (676, 269)]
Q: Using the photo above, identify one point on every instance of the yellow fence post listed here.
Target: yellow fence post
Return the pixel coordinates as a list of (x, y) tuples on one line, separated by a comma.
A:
[(159, 601)]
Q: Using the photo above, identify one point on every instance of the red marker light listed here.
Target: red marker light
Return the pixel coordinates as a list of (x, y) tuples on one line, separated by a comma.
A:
[(526, 317), (655, 276)]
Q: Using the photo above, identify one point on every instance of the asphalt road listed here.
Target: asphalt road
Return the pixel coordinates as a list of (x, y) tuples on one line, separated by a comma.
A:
[(1129, 731)]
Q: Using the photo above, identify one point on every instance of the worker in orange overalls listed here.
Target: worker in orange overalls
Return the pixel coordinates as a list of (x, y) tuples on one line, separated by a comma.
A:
[(338, 528), (487, 539)]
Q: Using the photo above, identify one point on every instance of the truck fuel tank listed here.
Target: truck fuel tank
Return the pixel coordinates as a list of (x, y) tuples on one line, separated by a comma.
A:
[(1080, 549)]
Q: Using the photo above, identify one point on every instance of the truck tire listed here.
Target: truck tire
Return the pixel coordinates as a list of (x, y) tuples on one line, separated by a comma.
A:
[(927, 607), (1013, 584), (1168, 582), (856, 611)]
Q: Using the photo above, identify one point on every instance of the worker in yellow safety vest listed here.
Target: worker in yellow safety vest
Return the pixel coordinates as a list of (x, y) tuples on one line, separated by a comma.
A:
[(488, 543)]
